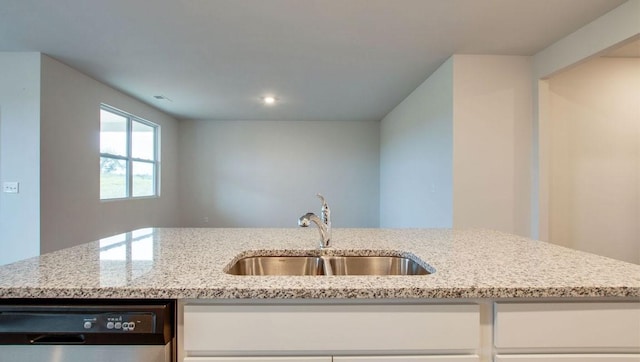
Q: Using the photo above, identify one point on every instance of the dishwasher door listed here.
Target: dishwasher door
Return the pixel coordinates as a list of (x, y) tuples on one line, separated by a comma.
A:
[(54, 331), (93, 353)]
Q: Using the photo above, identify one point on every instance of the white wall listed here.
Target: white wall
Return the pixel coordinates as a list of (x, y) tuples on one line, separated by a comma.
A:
[(594, 195), (603, 33), (266, 173), (492, 110), (71, 210), (416, 156), (456, 152), (19, 155)]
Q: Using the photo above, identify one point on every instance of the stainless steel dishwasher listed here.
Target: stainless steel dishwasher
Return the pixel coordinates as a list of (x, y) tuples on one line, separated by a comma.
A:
[(77, 331)]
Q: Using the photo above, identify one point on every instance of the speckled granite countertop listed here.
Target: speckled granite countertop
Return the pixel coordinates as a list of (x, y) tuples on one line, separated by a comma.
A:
[(190, 263)]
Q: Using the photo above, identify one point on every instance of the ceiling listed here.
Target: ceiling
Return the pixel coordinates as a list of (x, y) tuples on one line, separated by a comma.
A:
[(630, 49), (334, 60)]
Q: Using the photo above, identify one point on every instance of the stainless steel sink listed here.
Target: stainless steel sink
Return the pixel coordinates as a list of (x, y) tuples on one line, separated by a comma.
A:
[(327, 265), (375, 265), (278, 265)]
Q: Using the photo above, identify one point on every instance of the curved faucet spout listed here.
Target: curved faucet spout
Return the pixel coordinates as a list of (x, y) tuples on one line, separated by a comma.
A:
[(306, 220)]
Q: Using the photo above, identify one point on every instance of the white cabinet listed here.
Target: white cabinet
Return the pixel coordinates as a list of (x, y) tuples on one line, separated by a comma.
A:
[(257, 359), (337, 329), (567, 325), (408, 359), (572, 331), (338, 359), (569, 358), (567, 332)]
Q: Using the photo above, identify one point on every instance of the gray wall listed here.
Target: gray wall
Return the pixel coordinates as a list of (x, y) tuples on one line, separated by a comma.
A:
[(19, 155), (416, 156), (71, 210), (266, 173), (455, 152)]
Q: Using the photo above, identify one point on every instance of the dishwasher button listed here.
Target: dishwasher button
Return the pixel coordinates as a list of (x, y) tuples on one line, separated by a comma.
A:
[(87, 325), (110, 325), (118, 325)]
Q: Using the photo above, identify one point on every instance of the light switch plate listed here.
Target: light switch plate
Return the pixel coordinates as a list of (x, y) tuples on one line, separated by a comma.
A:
[(11, 187)]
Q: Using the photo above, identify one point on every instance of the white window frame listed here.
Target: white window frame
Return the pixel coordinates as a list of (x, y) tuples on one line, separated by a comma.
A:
[(129, 159)]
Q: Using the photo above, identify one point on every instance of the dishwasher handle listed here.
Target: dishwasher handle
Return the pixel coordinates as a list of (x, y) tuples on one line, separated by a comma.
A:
[(62, 339)]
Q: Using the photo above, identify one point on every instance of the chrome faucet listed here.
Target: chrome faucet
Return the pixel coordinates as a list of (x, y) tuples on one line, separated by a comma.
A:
[(324, 224)]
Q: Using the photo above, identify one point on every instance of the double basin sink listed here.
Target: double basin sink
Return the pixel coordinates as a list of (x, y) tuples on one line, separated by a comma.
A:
[(328, 265)]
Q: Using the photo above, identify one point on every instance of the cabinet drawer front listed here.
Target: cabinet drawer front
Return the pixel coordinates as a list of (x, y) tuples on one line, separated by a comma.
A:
[(567, 325), (257, 359), (570, 358), (338, 359), (408, 359), (334, 328)]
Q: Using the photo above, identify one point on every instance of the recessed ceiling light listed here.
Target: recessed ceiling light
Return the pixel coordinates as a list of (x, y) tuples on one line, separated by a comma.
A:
[(162, 98), (269, 100)]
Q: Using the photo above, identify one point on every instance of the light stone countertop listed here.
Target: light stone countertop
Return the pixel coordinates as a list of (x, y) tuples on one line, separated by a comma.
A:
[(190, 263)]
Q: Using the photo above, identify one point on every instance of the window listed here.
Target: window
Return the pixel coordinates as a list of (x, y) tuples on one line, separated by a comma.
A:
[(129, 152)]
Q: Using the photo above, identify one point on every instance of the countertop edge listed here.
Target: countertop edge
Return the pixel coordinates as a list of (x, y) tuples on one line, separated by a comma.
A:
[(319, 294)]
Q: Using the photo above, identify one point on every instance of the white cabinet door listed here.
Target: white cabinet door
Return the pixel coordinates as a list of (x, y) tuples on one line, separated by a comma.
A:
[(569, 358), (336, 329), (338, 359), (257, 359), (408, 359), (567, 325)]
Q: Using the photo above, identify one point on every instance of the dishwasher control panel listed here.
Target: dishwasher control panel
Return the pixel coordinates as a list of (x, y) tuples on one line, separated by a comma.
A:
[(102, 322), (118, 323), (96, 322)]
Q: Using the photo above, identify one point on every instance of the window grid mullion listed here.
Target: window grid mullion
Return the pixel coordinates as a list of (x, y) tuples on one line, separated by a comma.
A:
[(129, 154), (116, 157), (142, 160), (156, 163)]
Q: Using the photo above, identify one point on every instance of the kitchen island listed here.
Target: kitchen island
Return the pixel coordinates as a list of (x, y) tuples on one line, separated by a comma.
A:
[(485, 288)]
